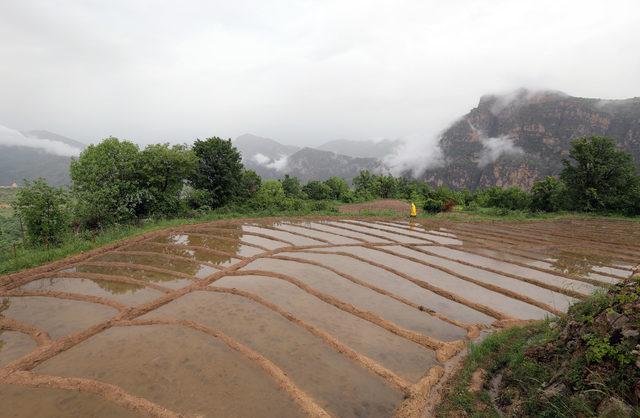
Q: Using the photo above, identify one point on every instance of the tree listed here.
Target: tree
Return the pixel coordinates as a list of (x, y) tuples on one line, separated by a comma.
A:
[(364, 184), (162, 171), (44, 211), (339, 188), (600, 177), (291, 186), (249, 184), (106, 184), (317, 190), (270, 196), (218, 171), (548, 195), (386, 186)]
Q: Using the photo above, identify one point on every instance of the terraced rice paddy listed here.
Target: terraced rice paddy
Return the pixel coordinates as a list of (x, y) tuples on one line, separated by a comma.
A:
[(282, 318)]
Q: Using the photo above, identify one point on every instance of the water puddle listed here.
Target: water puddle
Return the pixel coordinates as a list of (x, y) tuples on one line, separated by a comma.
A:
[(28, 402), (287, 236), (227, 246), (402, 356), (125, 293), (452, 284), (182, 369), (191, 268), (418, 231), (556, 300), (341, 386), (200, 255), (371, 230), (162, 279), (58, 317), (326, 236), (399, 286), (14, 345), (363, 298)]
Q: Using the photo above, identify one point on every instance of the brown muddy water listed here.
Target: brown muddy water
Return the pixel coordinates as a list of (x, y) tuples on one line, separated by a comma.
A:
[(281, 318)]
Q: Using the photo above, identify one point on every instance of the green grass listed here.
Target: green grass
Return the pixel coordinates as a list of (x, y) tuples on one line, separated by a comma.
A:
[(496, 214), (492, 354)]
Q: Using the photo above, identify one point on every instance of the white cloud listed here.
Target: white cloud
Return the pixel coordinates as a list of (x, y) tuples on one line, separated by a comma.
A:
[(11, 137), (494, 148), (302, 72), (416, 154), (261, 159), (279, 164)]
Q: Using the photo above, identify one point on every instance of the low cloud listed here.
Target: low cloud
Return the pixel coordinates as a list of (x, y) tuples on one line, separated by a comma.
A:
[(494, 148), (261, 159), (280, 164), (416, 154), (13, 138)]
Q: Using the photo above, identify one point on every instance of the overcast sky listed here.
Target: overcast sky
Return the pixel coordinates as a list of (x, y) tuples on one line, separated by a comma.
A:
[(299, 71)]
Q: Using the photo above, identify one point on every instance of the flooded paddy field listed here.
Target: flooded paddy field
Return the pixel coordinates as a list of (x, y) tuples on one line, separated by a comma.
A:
[(286, 318)]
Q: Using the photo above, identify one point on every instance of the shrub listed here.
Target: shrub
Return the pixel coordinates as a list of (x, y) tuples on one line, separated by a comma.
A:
[(549, 195), (317, 190), (339, 188), (269, 196), (433, 205), (43, 210), (511, 198), (249, 185), (291, 186)]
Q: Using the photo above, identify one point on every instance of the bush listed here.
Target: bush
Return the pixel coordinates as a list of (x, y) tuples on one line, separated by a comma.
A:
[(339, 189), (270, 195), (511, 198), (291, 186), (549, 195), (249, 185), (317, 190), (44, 211), (433, 205)]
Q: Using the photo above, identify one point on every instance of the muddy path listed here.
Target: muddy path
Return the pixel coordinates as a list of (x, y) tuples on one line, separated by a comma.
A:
[(286, 317)]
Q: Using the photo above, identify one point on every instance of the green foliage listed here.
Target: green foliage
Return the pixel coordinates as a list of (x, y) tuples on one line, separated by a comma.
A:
[(162, 170), (600, 177), (291, 186), (511, 198), (339, 189), (317, 190), (386, 187), (249, 185), (270, 195), (105, 183), (549, 195), (364, 184), (44, 212), (219, 170)]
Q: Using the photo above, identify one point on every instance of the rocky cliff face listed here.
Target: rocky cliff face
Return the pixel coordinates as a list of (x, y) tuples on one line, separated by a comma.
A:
[(516, 139)]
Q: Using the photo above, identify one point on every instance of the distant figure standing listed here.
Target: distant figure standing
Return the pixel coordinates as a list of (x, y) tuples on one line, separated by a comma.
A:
[(413, 210)]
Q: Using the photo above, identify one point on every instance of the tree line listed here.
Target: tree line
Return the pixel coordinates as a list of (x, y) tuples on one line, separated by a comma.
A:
[(115, 182)]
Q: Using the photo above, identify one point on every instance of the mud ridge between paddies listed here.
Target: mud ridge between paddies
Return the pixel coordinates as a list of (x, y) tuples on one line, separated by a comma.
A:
[(287, 317)]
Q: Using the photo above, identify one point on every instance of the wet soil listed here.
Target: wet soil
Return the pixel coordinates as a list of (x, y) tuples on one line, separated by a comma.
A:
[(295, 317)]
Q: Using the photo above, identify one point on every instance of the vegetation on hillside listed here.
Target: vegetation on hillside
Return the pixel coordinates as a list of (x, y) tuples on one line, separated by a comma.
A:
[(585, 363)]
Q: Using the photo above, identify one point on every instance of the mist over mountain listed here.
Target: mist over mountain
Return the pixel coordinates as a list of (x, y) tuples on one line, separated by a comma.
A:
[(517, 138), (33, 154), (362, 149)]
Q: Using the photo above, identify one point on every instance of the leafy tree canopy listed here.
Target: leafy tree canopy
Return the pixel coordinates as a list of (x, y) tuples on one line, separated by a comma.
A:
[(219, 169)]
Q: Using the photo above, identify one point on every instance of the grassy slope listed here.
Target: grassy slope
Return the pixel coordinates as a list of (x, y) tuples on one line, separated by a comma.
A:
[(583, 364)]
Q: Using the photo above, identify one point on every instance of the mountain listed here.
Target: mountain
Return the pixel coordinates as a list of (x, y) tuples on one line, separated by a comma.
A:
[(33, 154), (313, 164), (521, 137), (366, 149)]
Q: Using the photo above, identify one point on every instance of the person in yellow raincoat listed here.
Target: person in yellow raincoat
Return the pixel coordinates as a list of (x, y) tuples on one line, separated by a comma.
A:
[(413, 210)]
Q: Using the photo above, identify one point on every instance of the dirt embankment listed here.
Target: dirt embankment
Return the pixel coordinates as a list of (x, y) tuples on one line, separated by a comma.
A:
[(391, 205)]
